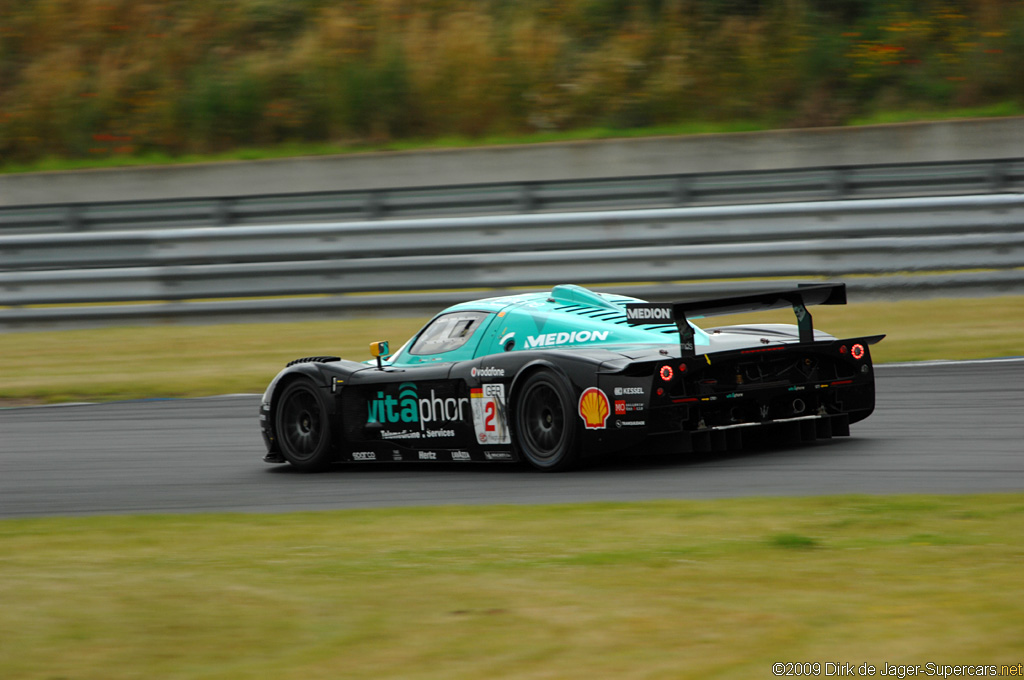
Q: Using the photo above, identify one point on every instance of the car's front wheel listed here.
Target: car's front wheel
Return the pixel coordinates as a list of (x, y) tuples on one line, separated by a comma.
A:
[(544, 425), (303, 427)]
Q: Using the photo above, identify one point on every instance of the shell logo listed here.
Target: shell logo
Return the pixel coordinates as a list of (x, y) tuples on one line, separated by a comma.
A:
[(594, 408)]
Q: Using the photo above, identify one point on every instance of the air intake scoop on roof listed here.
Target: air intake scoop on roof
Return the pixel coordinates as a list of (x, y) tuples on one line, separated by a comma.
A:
[(578, 295)]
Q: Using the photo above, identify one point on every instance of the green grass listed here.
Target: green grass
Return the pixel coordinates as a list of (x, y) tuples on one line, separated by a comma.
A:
[(190, 361), (1002, 109), (296, 149), (175, 361), (710, 589), (299, 149)]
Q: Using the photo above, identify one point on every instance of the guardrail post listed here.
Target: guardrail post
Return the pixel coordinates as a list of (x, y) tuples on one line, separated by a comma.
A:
[(222, 212), (527, 201), (73, 218), (997, 177), (681, 191), (839, 185), (373, 207)]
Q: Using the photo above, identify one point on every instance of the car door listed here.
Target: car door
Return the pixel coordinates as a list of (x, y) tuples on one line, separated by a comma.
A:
[(410, 402)]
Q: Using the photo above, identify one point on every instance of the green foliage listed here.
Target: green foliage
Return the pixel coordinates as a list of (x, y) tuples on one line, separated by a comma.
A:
[(92, 79)]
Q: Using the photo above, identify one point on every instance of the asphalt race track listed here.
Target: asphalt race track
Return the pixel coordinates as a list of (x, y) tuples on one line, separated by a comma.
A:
[(937, 428)]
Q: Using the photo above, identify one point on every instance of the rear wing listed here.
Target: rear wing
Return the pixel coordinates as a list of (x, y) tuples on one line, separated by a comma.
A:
[(799, 298)]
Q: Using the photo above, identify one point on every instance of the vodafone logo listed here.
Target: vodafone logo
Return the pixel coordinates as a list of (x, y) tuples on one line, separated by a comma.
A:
[(487, 372)]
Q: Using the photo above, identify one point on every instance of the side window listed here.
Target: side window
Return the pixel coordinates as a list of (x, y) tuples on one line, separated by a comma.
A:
[(448, 332)]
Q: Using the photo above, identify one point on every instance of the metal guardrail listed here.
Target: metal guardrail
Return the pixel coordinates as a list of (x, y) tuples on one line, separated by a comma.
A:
[(974, 242), (722, 188), (511, 234)]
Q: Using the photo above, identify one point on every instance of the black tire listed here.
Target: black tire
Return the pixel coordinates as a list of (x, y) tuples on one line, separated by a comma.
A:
[(545, 426), (303, 427)]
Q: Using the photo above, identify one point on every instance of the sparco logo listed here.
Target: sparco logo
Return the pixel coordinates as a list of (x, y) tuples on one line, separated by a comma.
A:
[(649, 313)]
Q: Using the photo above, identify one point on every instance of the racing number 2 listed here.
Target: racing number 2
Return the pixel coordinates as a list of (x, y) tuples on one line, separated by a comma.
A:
[(490, 411), (488, 414)]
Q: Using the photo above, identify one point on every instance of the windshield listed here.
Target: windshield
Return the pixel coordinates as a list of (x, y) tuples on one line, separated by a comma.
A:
[(447, 332)]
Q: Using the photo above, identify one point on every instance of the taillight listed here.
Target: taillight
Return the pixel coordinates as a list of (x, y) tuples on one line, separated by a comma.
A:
[(665, 373), (857, 351)]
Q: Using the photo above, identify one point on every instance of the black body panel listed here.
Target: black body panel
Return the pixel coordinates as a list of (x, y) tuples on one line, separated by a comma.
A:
[(754, 385)]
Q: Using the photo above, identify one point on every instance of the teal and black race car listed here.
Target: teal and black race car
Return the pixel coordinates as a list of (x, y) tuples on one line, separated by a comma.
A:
[(559, 376)]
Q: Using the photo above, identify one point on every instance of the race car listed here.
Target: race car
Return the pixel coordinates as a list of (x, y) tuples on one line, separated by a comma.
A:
[(556, 377)]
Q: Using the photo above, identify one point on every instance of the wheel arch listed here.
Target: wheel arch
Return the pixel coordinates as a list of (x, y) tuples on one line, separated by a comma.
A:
[(322, 376), (529, 369), (585, 374), (289, 375), (573, 390)]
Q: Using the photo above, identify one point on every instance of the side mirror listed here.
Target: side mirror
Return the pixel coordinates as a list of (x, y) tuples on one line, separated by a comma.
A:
[(379, 351)]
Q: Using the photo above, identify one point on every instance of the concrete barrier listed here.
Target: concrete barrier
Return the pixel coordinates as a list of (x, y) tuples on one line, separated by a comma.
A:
[(961, 140)]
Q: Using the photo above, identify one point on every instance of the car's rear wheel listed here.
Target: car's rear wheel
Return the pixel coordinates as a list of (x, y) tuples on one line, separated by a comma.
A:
[(544, 424), (303, 427)]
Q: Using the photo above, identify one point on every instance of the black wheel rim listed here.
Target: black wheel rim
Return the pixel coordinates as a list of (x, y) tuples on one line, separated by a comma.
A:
[(302, 429), (543, 421)]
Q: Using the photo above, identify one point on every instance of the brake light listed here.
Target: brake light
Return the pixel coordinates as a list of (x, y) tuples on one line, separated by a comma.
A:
[(665, 373), (857, 351), (761, 350)]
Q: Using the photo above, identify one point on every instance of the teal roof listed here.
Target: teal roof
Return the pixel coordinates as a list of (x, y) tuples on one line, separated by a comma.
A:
[(560, 317)]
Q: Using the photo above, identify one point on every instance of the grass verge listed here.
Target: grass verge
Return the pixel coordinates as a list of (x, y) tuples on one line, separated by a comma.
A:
[(299, 149), (681, 589), (190, 361)]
